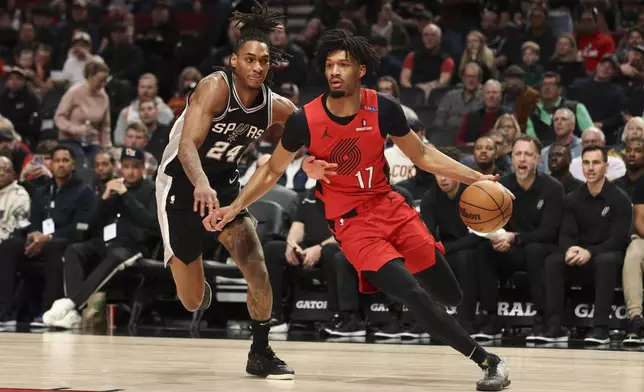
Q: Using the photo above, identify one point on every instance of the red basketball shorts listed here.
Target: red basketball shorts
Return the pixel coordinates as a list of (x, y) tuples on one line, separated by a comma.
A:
[(384, 229)]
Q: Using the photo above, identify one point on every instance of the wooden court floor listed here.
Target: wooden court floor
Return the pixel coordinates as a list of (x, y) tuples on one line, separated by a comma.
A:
[(101, 363)]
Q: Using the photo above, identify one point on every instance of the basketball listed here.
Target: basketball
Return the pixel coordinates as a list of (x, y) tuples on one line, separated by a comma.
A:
[(485, 206)]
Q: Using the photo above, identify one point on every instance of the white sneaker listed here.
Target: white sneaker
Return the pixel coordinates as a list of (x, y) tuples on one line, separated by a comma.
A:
[(72, 320), (58, 311)]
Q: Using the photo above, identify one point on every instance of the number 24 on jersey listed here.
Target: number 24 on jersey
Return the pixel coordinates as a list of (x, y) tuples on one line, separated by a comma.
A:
[(221, 149)]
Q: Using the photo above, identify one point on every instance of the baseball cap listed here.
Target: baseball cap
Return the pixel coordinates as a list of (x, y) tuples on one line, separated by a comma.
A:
[(611, 59), (132, 153), (514, 71), (17, 71)]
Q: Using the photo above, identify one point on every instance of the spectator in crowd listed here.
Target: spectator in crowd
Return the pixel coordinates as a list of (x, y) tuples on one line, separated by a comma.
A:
[(540, 33), (529, 237), (309, 243), (26, 36), (440, 212), (388, 26), (83, 115), (631, 75), (479, 122), (503, 151), (633, 271), (294, 69), (78, 21), (58, 212), (634, 161), (388, 85), (42, 70), (162, 29), (37, 172), (12, 148), (604, 98), (540, 121), (564, 124), (533, 70), (43, 20), (136, 137), (105, 169), (593, 44), (78, 57), (456, 104), (559, 159), (125, 60), (595, 137), (567, 61), (428, 67), (400, 166), (493, 37), (593, 236), (15, 216), (518, 98), (24, 59), (147, 89), (634, 129), (389, 65), (221, 57), (508, 126), (21, 106), (634, 37), (158, 134), (124, 222), (188, 79), (477, 52), (485, 156)]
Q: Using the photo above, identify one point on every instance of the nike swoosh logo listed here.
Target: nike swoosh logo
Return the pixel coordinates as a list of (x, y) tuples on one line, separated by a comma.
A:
[(231, 181), (308, 201), (230, 110)]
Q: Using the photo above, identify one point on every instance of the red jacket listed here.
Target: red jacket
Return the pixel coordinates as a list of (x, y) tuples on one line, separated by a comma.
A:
[(593, 47)]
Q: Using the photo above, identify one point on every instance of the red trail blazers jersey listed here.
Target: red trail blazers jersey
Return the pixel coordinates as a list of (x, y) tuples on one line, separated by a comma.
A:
[(357, 148)]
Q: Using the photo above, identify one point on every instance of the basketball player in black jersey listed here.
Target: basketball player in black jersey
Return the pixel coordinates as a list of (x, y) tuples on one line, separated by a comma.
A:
[(226, 112)]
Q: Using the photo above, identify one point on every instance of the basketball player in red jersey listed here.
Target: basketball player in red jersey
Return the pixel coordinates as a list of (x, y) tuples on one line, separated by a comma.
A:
[(382, 236)]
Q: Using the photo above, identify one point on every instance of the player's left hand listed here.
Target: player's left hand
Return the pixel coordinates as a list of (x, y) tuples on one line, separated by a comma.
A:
[(495, 178), (217, 219), (318, 169), (311, 256)]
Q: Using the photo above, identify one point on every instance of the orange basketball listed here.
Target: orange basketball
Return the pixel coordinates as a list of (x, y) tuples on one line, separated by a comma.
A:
[(485, 206)]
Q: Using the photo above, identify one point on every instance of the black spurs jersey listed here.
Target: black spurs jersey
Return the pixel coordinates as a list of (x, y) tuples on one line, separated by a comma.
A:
[(230, 134)]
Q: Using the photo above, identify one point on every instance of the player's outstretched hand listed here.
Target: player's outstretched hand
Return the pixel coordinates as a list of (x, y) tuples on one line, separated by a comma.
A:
[(217, 219), (205, 199), (495, 178), (318, 169)]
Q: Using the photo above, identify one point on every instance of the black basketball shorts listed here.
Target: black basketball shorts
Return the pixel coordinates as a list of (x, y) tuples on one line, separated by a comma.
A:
[(181, 228)]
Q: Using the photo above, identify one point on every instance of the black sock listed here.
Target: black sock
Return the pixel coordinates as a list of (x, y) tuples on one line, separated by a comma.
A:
[(260, 334), (479, 355)]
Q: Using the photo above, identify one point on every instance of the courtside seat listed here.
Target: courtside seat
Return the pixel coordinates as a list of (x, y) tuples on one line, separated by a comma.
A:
[(270, 220)]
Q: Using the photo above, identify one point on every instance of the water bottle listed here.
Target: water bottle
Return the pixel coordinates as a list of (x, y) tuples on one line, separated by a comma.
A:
[(86, 139)]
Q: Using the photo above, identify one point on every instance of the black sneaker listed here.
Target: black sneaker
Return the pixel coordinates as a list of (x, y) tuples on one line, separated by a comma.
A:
[(553, 335), (7, 319), (634, 335), (391, 330), (207, 298), (491, 331), (350, 326), (597, 335), (266, 364), (538, 329), (414, 331), (497, 374)]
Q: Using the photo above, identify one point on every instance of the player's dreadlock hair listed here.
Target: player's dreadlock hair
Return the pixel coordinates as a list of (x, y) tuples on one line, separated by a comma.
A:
[(256, 25), (357, 47)]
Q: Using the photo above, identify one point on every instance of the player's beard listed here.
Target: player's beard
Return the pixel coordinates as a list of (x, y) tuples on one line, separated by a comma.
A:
[(337, 94)]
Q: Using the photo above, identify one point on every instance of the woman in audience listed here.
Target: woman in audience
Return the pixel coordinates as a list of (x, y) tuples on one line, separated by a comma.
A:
[(188, 79), (83, 115), (508, 126), (634, 129), (567, 61), (478, 52)]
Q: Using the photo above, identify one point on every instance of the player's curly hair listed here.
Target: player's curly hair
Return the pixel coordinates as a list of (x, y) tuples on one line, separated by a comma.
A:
[(256, 26), (357, 47)]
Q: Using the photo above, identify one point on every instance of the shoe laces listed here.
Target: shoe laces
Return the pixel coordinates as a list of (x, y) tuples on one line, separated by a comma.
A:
[(270, 354)]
